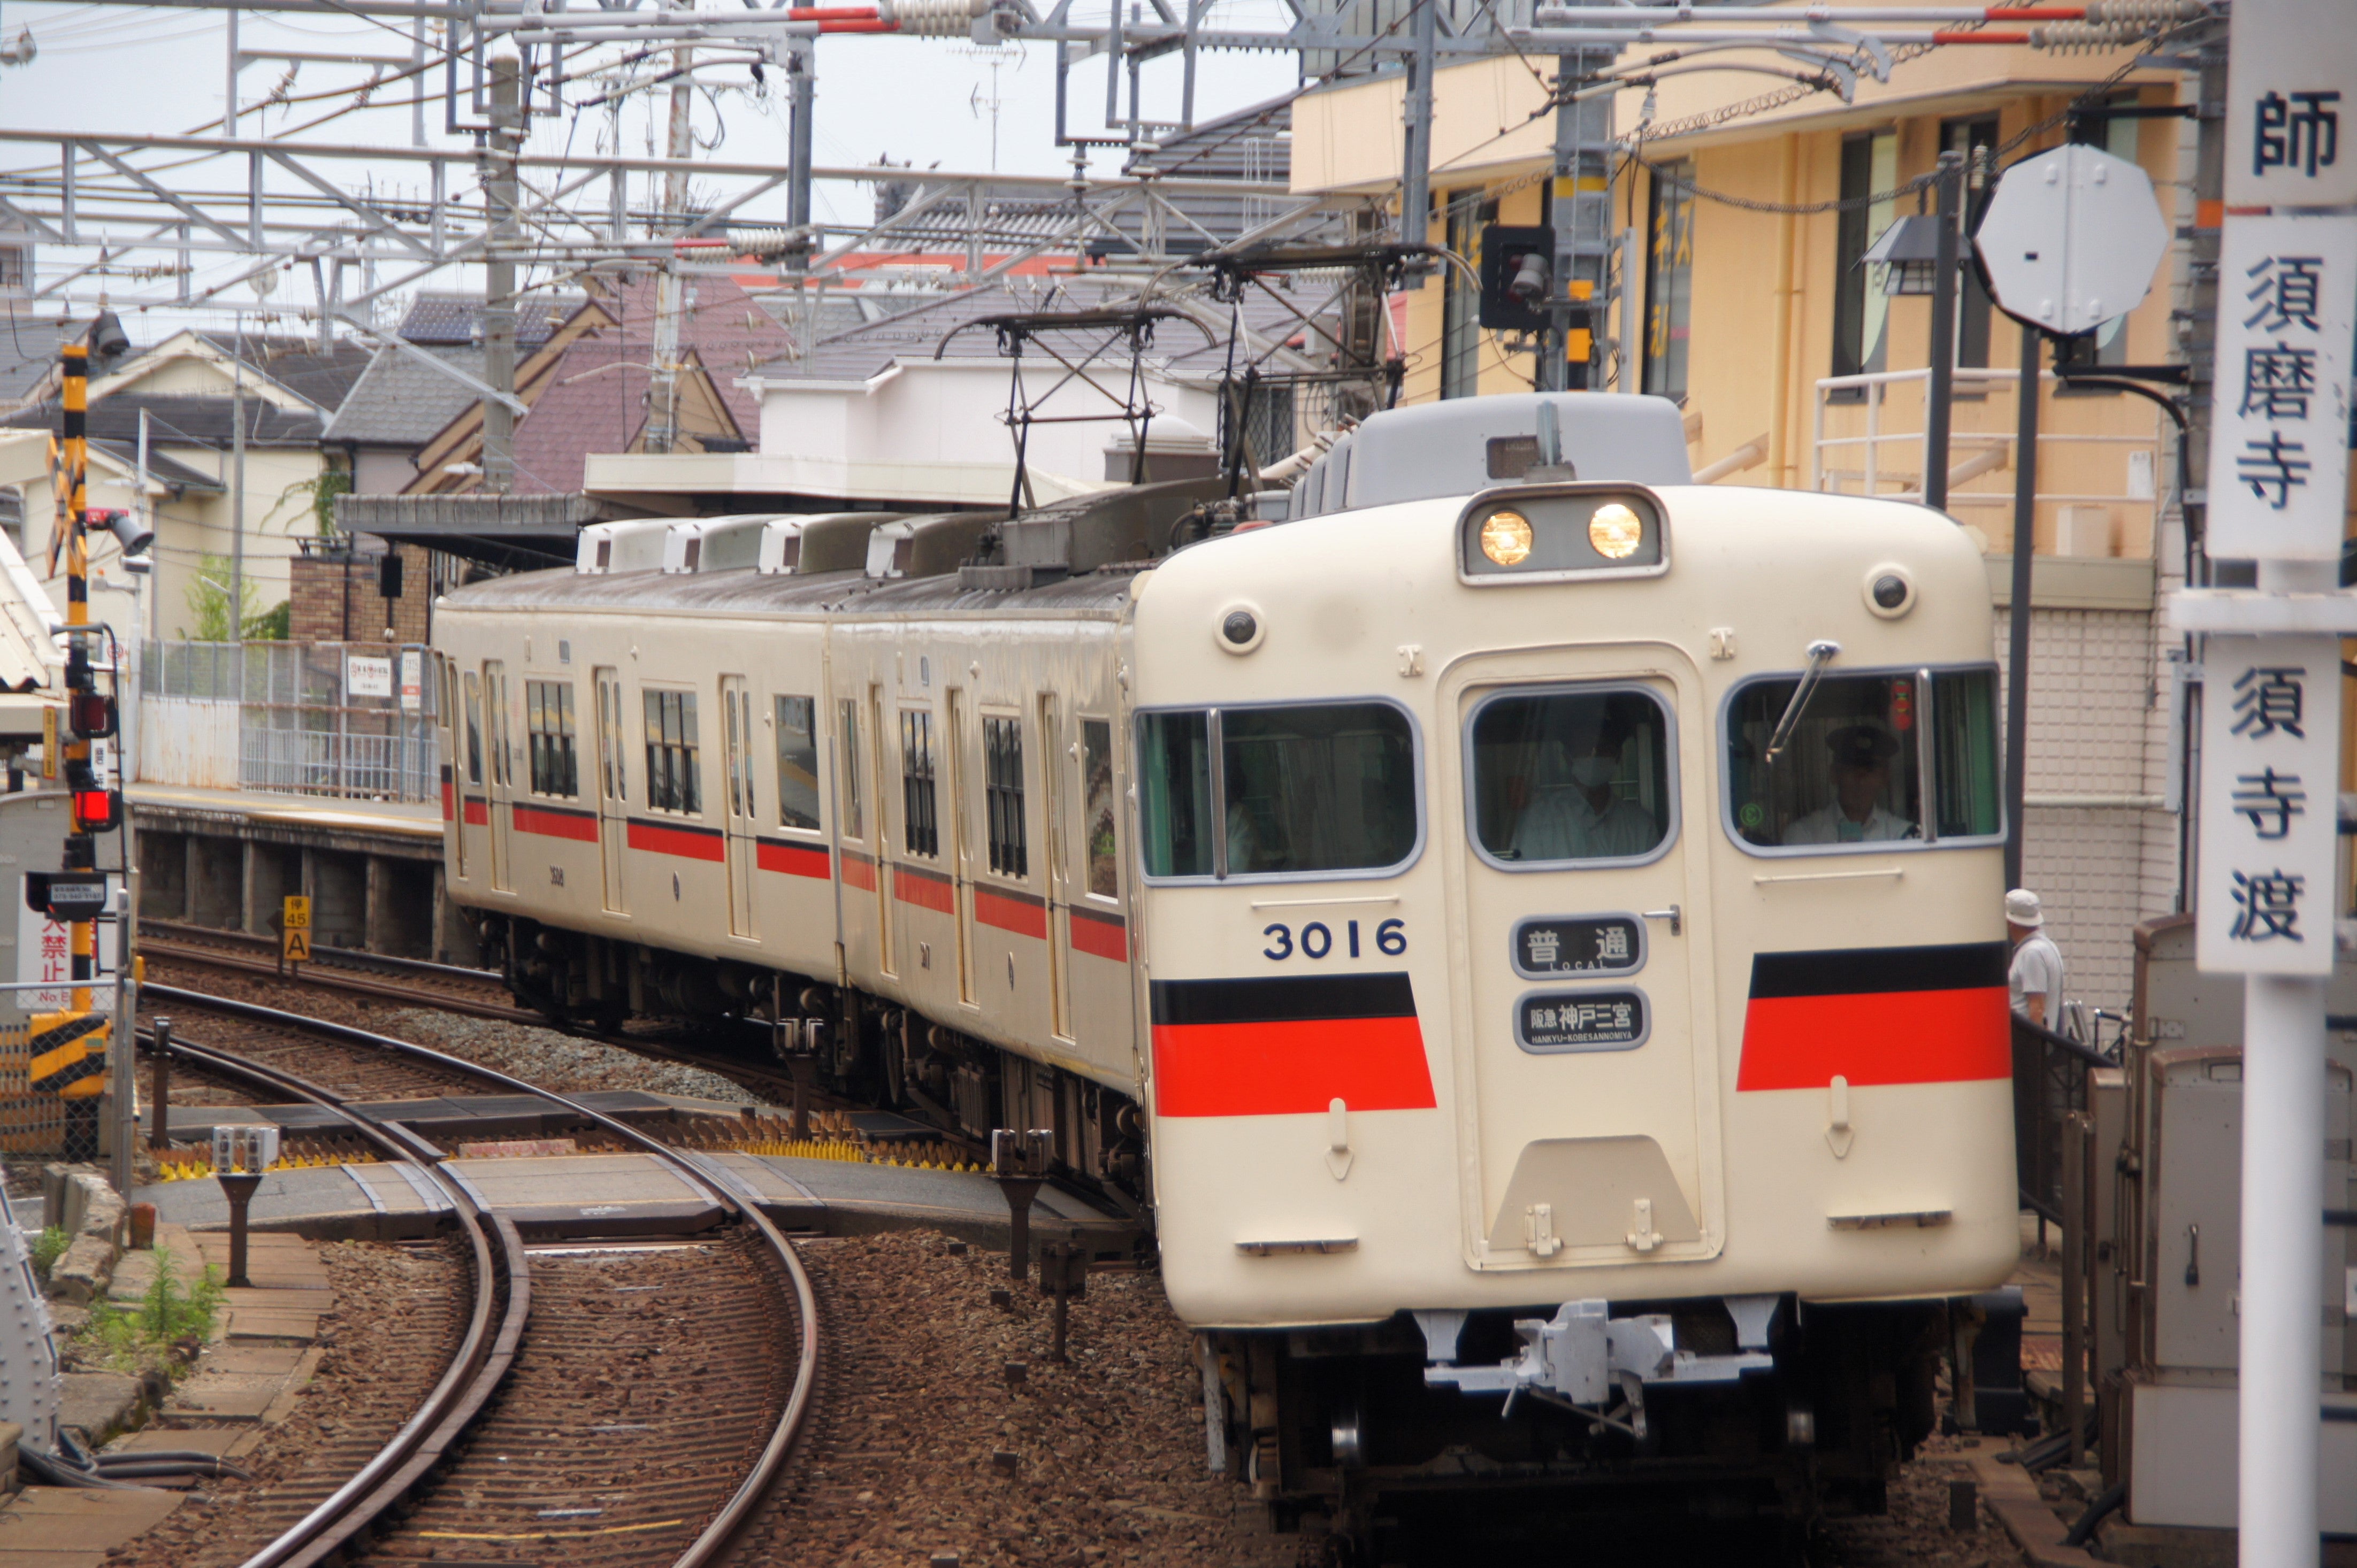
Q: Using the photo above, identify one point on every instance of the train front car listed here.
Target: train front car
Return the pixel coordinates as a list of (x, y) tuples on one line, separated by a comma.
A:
[(1572, 943)]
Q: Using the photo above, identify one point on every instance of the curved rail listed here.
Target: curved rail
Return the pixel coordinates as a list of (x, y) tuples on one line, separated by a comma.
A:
[(358, 957), (475, 1371), (732, 1516)]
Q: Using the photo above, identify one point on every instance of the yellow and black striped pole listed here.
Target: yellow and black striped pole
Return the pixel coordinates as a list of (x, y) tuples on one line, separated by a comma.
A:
[(82, 848)]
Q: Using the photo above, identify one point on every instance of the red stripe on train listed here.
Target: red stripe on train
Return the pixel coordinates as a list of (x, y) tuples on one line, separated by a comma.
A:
[(1882, 1037), (1016, 915), (478, 812), (793, 859), (449, 800), (1100, 936), (682, 842), (859, 872), (924, 891), (1290, 1069), (579, 826)]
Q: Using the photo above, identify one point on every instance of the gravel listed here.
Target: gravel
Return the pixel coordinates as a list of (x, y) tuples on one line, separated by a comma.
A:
[(394, 1324), (552, 1061)]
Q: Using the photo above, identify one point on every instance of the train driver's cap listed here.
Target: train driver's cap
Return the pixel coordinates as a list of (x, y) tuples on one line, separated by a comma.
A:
[(2022, 908), (1861, 746)]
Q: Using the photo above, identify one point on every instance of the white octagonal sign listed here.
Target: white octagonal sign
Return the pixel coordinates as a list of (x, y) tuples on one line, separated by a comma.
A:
[(2072, 239)]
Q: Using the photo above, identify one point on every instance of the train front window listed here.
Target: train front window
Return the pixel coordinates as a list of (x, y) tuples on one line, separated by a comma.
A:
[(1852, 769), (1571, 776), (1320, 789)]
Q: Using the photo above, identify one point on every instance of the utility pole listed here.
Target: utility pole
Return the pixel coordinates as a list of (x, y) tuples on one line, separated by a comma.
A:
[(1415, 173), (1950, 186), (237, 486), (1580, 211), (499, 277), (801, 75), (2018, 617), (671, 289)]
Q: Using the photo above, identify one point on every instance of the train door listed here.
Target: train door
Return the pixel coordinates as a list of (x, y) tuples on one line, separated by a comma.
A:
[(613, 790), (455, 718), (960, 846), (1588, 1043), (1053, 828), (876, 770), (495, 715), (736, 733)]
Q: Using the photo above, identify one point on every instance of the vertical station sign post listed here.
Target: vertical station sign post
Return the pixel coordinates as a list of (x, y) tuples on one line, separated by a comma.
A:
[(2265, 898)]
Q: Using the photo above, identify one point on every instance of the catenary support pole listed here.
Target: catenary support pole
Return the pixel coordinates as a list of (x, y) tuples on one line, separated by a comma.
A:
[(1940, 401), (236, 632), (499, 277), (671, 288), (803, 75), (1416, 167), (2024, 544)]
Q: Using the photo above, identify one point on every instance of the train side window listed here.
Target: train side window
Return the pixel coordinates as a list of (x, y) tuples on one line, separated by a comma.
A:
[(855, 826), (798, 763), (554, 766), (674, 767), (1320, 789), (1096, 786), (1852, 771), (474, 728), (920, 830), (1581, 774), (1002, 765)]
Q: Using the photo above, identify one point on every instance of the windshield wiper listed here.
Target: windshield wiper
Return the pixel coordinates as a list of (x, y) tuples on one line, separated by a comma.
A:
[(1821, 653)]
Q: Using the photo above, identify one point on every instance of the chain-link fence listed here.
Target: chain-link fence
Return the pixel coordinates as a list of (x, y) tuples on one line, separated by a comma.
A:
[(349, 720)]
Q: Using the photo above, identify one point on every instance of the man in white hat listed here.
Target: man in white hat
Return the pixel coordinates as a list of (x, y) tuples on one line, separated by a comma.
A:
[(2036, 974)]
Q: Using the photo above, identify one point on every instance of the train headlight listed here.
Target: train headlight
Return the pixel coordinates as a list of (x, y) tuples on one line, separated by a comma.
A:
[(1615, 532), (1506, 537)]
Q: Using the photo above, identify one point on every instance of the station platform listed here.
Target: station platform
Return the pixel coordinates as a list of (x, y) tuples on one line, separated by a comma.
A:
[(225, 858)]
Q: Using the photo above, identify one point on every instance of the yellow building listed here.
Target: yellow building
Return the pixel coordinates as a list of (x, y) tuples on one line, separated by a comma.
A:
[(1742, 233)]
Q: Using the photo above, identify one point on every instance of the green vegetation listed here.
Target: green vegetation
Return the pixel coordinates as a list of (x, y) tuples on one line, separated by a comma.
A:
[(209, 608), (47, 1248), (140, 1338)]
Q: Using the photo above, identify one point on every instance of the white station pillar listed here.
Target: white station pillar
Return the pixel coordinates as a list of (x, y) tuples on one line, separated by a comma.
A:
[(2271, 703)]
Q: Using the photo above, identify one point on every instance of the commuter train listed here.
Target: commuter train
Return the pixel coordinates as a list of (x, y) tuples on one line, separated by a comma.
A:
[(1525, 926)]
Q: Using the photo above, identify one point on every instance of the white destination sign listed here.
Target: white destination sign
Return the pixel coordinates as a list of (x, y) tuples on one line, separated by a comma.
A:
[(2270, 793), (413, 680), (368, 675), (2291, 74), (2280, 446)]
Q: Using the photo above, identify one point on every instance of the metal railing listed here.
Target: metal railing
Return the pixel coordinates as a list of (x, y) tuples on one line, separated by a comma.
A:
[(312, 718), (1882, 447), (2050, 1082)]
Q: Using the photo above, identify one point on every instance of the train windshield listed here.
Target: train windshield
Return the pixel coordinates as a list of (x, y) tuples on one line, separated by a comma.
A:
[(1852, 771), (1318, 788), (1571, 775)]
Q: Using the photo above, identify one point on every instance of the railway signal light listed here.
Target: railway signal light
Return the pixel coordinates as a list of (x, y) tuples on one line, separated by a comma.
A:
[(66, 895), (1517, 263), (91, 715)]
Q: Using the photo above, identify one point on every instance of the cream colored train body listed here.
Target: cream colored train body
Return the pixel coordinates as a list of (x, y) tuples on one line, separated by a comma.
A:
[(1412, 883)]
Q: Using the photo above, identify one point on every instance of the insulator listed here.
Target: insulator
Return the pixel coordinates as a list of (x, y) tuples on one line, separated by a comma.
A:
[(2086, 37), (932, 18), (2154, 13)]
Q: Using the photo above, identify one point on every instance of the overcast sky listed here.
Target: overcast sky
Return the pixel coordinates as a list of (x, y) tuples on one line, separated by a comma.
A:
[(122, 69)]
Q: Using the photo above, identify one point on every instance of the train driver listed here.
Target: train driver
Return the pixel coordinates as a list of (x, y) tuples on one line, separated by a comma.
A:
[(1573, 812), (1855, 814)]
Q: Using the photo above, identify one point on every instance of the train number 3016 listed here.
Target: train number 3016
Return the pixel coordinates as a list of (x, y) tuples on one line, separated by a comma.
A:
[(1317, 940)]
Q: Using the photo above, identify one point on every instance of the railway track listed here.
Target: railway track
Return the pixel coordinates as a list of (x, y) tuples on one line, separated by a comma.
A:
[(412, 982), (620, 1408)]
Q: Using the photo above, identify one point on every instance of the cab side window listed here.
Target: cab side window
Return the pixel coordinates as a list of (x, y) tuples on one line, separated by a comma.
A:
[(1306, 789), (1571, 775)]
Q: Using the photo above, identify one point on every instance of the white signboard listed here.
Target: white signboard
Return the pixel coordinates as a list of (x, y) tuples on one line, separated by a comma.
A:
[(2280, 446), (2291, 73), (413, 680), (44, 953), (2072, 238), (2270, 792), (368, 675)]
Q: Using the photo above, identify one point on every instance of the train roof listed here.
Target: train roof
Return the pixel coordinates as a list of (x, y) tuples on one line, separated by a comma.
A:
[(746, 592)]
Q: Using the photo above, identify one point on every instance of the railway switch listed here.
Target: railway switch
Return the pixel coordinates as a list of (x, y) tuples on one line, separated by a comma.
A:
[(1018, 1164)]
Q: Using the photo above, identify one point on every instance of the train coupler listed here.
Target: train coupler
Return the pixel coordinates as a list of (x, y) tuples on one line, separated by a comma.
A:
[(1583, 1356)]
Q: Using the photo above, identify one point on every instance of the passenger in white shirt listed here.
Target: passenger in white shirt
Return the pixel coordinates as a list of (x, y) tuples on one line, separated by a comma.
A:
[(2035, 976), (1855, 814), (1574, 813)]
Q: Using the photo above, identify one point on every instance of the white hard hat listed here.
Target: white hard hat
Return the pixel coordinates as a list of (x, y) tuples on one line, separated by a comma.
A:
[(2021, 909)]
